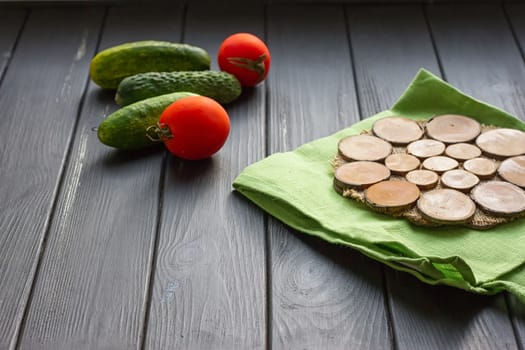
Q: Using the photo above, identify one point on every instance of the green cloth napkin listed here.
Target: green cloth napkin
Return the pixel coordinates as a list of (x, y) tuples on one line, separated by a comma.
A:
[(296, 188)]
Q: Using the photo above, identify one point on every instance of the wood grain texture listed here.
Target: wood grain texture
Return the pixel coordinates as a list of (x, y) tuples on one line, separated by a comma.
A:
[(361, 2), (39, 109), (11, 22), (312, 94), (252, 2), (439, 317), (317, 288), (432, 317), (91, 291), (515, 14), (479, 54), (390, 44), (210, 278)]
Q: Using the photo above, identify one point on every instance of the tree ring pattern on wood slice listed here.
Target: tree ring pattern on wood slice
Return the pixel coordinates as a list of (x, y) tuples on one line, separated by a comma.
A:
[(499, 198), (502, 142), (446, 206), (401, 163), (364, 147), (391, 196), (397, 130), (483, 168), (424, 179), (426, 148), (513, 170), (459, 179), (463, 173), (453, 128), (359, 175), (462, 151), (440, 164)]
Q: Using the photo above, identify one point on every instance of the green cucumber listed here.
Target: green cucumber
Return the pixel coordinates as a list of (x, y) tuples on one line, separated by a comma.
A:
[(127, 128), (112, 65), (221, 86)]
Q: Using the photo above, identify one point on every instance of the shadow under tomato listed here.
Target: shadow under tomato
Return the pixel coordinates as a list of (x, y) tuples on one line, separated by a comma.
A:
[(184, 171), (251, 99), (248, 93)]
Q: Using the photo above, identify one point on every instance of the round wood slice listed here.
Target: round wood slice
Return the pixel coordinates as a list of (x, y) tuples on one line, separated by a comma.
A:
[(453, 128), (359, 175), (424, 179), (483, 168), (397, 130), (499, 198), (426, 148), (462, 151), (459, 179), (502, 142), (513, 170), (440, 164), (364, 147), (401, 163), (446, 206), (392, 195)]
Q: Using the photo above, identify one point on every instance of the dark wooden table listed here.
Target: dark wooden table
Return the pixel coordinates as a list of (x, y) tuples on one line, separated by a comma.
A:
[(102, 249)]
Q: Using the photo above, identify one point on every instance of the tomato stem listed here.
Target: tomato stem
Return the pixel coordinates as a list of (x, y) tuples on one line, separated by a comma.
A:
[(159, 132), (253, 65)]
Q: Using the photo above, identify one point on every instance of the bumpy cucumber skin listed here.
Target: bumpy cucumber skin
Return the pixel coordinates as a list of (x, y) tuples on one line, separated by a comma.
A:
[(126, 128), (110, 66), (221, 86)]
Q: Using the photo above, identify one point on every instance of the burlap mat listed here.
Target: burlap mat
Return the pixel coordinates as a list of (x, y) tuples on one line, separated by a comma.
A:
[(481, 220)]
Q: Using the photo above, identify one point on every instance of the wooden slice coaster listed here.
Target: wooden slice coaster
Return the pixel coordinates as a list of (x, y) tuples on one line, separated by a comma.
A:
[(513, 170), (459, 179), (455, 174), (424, 179), (359, 175), (391, 196), (462, 151), (401, 163), (397, 130), (499, 198), (440, 164), (364, 147), (446, 206), (502, 142), (453, 128), (483, 168), (426, 148)]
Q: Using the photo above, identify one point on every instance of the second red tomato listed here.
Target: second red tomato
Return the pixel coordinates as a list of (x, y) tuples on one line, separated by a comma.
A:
[(197, 127), (245, 56)]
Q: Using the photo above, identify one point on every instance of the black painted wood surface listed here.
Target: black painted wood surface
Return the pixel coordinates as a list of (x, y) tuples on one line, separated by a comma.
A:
[(101, 249)]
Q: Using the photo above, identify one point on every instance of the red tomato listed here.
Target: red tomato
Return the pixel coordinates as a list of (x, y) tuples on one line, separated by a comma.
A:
[(245, 56), (198, 127)]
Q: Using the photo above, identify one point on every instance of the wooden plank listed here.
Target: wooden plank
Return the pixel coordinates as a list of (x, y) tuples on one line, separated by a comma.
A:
[(39, 108), (517, 311), (92, 289), (318, 290), (495, 75), (365, 2), (515, 14), (390, 44), (209, 282), (11, 21), (433, 317), (439, 317)]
